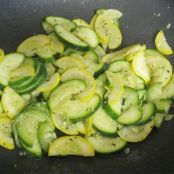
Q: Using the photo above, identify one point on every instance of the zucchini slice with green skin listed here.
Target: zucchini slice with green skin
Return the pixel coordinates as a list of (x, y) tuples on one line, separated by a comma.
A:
[(6, 139), (12, 102), (69, 38), (130, 97), (78, 110), (71, 145), (142, 94), (132, 115), (160, 67), (46, 134), (46, 53), (104, 123), (31, 44), (69, 88), (148, 112), (10, 62), (28, 123), (35, 150), (32, 83), (65, 23), (81, 74), (113, 95), (100, 85), (104, 144), (136, 133), (87, 35)]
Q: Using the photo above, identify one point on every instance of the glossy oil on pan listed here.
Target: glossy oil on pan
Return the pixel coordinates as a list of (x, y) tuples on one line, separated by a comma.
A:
[(142, 19)]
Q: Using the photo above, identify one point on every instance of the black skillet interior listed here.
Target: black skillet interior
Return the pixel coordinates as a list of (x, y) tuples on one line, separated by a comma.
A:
[(142, 19)]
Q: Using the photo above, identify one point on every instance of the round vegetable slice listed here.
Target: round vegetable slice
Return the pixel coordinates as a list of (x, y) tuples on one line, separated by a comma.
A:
[(81, 22), (161, 44)]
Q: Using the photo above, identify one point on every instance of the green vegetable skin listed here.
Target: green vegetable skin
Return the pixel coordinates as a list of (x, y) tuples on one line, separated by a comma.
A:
[(105, 97)]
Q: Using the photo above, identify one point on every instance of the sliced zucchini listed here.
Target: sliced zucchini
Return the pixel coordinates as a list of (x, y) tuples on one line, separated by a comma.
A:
[(87, 35), (122, 54), (31, 44), (27, 125), (69, 88), (104, 123), (78, 110), (104, 144), (130, 97), (161, 44), (135, 133), (46, 53), (47, 27), (99, 51), (142, 94), (69, 38), (100, 85), (65, 23), (56, 44), (71, 145), (140, 67), (50, 69), (46, 134), (50, 83), (67, 62), (102, 28), (132, 115), (160, 67), (82, 74), (11, 62), (154, 92), (81, 22), (148, 113), (23, 71), (34, 150), (28, 84), (12, 102), (168, 90), (92, 22), (129, 78), (163, 105), (6, 139), (113, 96)]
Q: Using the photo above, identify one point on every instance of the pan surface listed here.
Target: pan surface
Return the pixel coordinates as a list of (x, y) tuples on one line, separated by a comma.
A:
[(142, 19)]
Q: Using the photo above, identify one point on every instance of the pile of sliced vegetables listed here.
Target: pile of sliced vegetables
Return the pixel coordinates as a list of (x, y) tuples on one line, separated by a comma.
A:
[(70, 79)]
